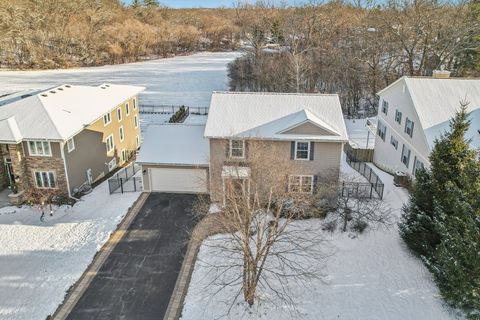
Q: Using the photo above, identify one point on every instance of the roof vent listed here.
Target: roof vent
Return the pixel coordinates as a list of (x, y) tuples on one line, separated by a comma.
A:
[(102, 87), (44, 95), (107, 85), (441, 74), (61, 89), (68, 86), (52, 91)]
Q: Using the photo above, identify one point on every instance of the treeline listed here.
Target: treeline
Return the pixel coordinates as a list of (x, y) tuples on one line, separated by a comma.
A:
[(355, 50), (64, 33)]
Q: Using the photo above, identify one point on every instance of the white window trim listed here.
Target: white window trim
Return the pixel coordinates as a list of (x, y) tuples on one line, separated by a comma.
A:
[(70, 149), (113, 143), (300, 176), (121, 133), (33, 153), (109, 119), (119, 114), (137, 141), (127, 109), (135, 121), (308, 151), (41, 176), (231, 149)]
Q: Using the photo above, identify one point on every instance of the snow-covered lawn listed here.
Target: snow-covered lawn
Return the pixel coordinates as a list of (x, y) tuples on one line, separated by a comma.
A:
[(359, 134), (182, 80), (39, 261), (370, 276)]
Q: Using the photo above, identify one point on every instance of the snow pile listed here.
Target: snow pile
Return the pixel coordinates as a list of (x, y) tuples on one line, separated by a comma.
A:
[(39, 261), (371, 276)]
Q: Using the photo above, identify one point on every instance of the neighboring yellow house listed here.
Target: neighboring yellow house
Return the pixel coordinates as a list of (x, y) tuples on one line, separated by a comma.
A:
[(67, 136)]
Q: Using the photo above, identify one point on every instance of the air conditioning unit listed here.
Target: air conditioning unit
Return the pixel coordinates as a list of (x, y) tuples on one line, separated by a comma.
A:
[(400, 179)]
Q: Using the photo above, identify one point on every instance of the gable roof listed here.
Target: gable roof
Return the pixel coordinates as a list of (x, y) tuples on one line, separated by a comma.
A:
[(270, 115), (437, 100), (60, 112)]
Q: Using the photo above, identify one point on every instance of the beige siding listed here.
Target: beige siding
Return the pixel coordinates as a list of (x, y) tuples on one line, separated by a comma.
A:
[(90, 147), (326, 161), (308, 128)]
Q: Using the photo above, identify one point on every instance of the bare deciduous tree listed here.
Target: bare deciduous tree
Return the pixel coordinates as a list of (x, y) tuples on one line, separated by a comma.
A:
[(268, 245)]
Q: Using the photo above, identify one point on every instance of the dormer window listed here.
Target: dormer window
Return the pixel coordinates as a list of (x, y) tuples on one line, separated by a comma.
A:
[(237, 148), (39, 148)]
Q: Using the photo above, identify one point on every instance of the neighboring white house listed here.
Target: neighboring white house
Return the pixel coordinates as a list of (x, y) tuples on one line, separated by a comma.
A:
[(414, 111)]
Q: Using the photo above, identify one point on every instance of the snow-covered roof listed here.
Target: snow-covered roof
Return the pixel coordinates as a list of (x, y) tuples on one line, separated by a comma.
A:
[(437, 99), (272, 115), (61, 112), (174, 144)]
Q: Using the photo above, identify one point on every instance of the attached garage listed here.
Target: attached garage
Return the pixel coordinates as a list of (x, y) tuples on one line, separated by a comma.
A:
[(181, 180), (174, 158)]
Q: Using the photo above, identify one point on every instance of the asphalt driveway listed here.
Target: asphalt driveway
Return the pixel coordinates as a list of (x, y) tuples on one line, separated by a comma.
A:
[(137, 279)]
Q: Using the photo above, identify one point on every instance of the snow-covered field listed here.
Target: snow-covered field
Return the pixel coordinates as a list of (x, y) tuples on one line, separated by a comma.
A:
[(39, 261), (182, 80), (371, 276)]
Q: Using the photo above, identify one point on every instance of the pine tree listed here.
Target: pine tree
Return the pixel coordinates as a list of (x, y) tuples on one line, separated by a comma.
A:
[(441, 222)]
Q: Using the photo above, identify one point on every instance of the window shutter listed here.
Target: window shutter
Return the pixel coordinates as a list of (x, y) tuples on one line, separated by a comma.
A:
[(411, 131), (315, 183), (292, 150), (246, 149), (312, 149), (227, 149)]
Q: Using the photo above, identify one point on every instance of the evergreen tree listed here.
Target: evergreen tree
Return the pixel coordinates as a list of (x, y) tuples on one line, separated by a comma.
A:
[(276, 32), (151, 3), (441, 222)]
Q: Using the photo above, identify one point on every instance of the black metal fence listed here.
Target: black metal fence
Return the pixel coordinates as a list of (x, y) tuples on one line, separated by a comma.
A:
[(124, 180), (360, 190), (374, 181), (150, 108), (122, 185)]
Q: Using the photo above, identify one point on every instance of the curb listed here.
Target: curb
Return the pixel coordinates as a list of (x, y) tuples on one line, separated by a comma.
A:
[(202, 230), (78, 289)]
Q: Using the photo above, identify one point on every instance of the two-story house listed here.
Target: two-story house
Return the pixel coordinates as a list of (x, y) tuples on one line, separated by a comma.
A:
[(414, 111), (64, 137), (306, 129)]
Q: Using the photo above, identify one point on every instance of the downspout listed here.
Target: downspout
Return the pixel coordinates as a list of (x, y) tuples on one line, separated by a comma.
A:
[(62, 152)]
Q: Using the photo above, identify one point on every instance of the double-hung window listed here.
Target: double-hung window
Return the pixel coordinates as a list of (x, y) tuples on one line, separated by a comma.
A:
[(127, 109), (394, 142), (119, 114), (134, 103), (70, 145), (409, 127), (45, 179), (302, 150), (39, 148), (381, 130), (405, 156), (109, 143), (417, 164), (300, 183), (135, 121), (120, 133), (107, 118), (137, 141), (385, 107), (237, 148), (398, 116)]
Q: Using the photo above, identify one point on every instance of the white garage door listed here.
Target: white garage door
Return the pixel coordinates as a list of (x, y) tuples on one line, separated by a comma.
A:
[(178, 180)]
